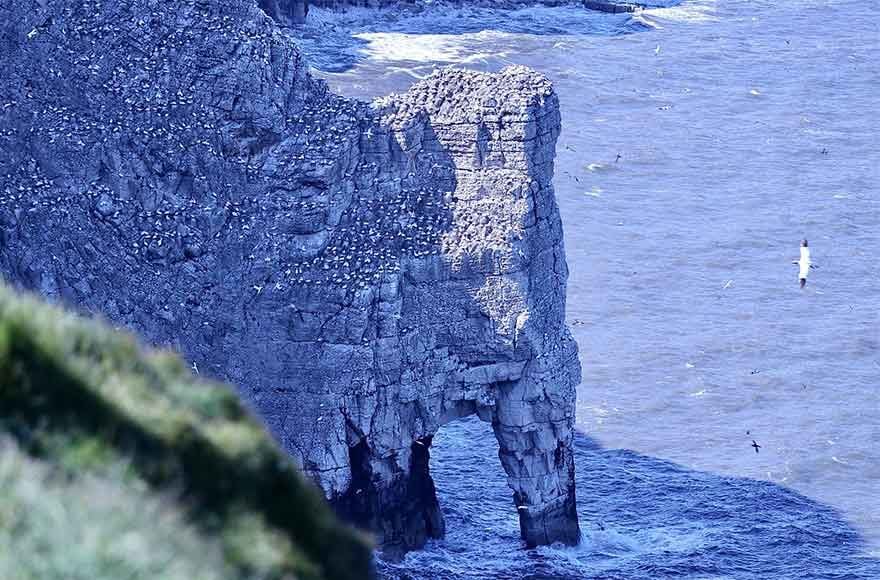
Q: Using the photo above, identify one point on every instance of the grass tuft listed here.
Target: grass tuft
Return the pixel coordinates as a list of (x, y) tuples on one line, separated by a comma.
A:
[(84, 407)]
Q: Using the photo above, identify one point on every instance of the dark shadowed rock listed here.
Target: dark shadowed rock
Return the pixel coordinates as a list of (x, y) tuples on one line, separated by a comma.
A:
[(286, 12), (364, 273), (612, 7)]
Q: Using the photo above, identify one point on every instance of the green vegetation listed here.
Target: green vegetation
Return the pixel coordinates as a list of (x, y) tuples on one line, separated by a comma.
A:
[(115, 462)]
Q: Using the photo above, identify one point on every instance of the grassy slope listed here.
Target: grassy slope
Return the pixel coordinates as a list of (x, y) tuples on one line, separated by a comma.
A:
[(115, 462)]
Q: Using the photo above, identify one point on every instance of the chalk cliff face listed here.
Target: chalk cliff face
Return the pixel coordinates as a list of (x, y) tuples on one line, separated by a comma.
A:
[(364, 273)]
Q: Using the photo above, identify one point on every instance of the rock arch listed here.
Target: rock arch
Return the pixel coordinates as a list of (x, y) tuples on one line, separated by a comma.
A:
[(365, 273)]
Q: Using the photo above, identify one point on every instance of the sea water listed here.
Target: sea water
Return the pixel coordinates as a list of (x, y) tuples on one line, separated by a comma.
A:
[(741, 128)]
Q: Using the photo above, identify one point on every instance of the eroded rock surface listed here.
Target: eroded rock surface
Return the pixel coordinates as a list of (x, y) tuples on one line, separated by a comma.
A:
[(365, 273), (286, 12)]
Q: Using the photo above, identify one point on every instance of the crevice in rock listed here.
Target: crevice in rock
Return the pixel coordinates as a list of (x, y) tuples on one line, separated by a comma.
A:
[(286, 12), (402, 510)]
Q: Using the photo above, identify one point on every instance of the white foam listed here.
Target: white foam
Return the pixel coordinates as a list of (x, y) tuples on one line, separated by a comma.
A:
[(406, 71), (641, 19), (697, 11), (610, 542), (396, 46)]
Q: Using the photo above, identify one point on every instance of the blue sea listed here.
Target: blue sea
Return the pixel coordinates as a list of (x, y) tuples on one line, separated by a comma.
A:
[(742, 127)]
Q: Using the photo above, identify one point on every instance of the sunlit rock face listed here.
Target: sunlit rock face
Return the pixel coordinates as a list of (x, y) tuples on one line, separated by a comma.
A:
[(365, 273)]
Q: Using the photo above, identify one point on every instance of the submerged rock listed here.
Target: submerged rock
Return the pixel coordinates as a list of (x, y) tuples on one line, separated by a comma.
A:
[(364, 273)]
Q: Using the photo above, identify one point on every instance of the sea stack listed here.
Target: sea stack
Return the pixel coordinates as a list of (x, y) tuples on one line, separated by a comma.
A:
[(364, 273)]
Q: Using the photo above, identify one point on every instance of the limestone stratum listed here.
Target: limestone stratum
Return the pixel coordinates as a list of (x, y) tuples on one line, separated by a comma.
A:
[(363, 273)]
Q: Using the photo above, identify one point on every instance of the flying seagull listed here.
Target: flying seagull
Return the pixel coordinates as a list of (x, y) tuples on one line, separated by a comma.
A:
[(755, 445)]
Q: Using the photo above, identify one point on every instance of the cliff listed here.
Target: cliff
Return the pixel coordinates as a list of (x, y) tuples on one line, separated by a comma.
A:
[(364, 273), (115, 462), (286, 12)]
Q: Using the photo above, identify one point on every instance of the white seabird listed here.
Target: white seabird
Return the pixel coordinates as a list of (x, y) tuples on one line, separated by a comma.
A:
[(804, 263)]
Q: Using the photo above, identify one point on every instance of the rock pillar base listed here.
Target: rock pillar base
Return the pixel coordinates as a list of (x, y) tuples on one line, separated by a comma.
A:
[(555, 522), (400, 507)]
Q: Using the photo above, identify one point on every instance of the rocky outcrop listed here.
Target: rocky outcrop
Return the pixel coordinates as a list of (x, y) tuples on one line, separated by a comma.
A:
[(613, 7), (286, 12), (364, 273)]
